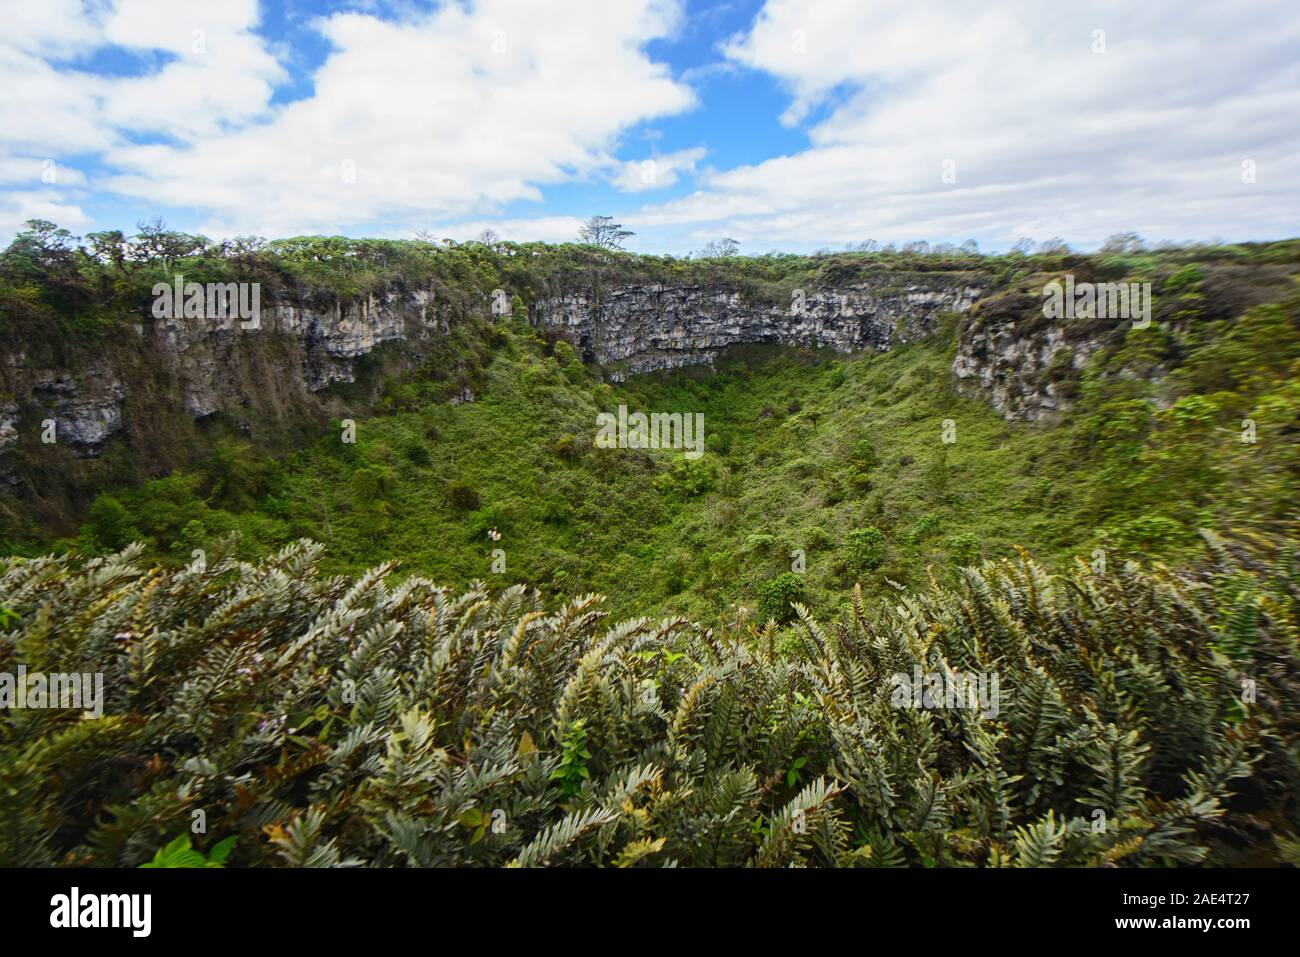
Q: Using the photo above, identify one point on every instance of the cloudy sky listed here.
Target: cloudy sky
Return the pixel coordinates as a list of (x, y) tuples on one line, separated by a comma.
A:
[(786, 124)]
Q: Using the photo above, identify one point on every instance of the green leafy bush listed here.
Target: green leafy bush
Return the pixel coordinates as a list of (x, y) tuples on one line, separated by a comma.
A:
[(461, 497), (864, 457), (417, 453), (109, 524), (866, 549), (179, 853), (688, 478), (963, 549), (1146, 533), (566, 447), (775, 597), (326, 721), (925, 526)]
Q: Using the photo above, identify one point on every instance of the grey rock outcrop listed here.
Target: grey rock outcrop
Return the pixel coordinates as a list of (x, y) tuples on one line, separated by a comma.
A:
[(1023, 366), (85, 410), (206, 366), (641, 328), (82, 411)]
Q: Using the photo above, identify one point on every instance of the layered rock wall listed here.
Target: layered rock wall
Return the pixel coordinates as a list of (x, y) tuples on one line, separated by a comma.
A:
[(202, 367), (205, 366), (641, 328), (1024, 365)]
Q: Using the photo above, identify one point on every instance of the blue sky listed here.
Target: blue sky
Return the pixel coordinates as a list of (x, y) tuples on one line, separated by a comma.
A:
[(786, 124)]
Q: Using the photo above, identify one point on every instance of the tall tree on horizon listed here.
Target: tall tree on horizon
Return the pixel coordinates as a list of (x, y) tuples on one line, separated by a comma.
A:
[(603, 232)]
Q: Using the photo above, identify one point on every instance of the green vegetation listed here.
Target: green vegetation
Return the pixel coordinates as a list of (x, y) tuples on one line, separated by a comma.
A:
[(841, 459), (321, 711), (331, 721), (181, 853), (866, 547), (778, 597)]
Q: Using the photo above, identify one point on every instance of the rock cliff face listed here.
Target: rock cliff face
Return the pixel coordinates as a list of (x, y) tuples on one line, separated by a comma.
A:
[(199, 367), (85, 408), (325, 341), (1023, 365), (205, 366), (640, 328)]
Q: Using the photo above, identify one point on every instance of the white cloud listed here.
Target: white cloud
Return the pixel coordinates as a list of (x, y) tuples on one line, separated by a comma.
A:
[(221, 74), (434, 117), (1044, 135), (28, 170), (17, 208), (656, 172), (217, 72), (51, 28), (45, 110), (447, 116)]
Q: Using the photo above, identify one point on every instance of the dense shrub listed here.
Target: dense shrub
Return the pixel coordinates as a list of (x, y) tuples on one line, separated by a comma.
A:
[(925, 526), (460, 496), (963, 549), (566, 447), (775, 597), (866, 549), (108, 524), (1147, 533), (688, 478), (327, 721), (864, 457), (417, 453)]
